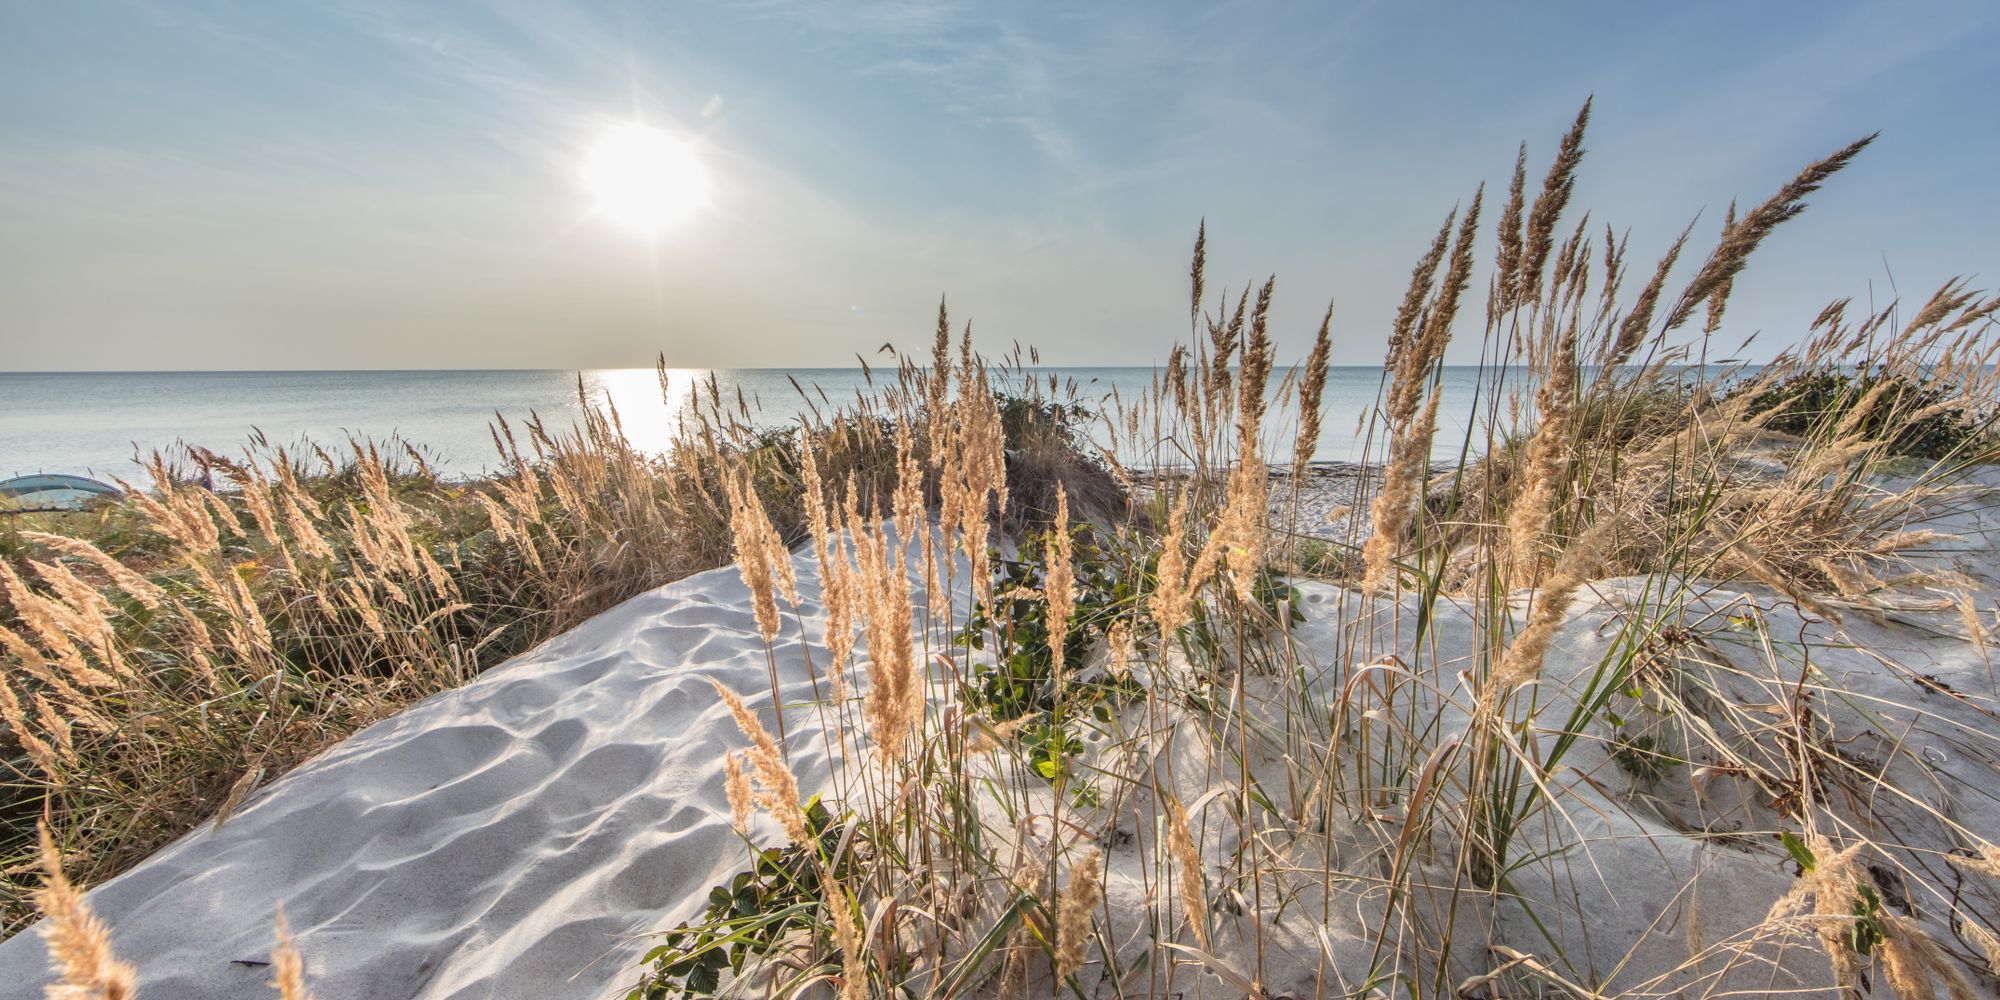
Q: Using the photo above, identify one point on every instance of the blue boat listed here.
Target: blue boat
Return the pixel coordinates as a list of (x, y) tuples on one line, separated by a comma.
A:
[(53, 492)]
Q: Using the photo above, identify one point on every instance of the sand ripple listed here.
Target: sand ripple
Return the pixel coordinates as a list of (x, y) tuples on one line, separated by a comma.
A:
[(513, 838)]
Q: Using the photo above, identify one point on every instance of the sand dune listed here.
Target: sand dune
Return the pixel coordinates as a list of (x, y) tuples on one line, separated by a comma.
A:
[(518, 837), (505, 839)]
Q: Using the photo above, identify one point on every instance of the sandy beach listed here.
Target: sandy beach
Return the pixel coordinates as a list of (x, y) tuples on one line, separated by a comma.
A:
[(523, 835)]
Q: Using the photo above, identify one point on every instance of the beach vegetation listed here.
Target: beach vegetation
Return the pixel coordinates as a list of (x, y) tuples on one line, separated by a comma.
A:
[(1091, 718)]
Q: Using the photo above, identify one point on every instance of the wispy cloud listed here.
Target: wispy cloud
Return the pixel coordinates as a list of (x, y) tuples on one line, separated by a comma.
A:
[(210, 172)]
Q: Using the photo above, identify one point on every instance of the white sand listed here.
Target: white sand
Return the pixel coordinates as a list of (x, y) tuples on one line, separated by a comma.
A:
[(516, 837), (507, 839)]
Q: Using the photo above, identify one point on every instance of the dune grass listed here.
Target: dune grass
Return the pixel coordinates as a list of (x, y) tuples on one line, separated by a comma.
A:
[(1119, 731), (169, 654)]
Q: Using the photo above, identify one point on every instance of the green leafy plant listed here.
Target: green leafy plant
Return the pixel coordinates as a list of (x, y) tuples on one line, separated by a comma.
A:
[(1050, 748), (1640, 757), (1918, 420), (751, 915), (1021, 677)]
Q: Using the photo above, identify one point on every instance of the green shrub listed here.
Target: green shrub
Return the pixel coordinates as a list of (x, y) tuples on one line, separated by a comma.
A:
[(755, 912), (1918, 420)]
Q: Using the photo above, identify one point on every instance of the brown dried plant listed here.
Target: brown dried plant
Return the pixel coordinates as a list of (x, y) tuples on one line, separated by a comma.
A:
[(79, 944)]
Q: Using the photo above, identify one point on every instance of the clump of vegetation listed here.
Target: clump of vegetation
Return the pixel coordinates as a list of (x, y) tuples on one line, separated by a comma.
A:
[(750, 918), (244, 627), (1018, 676), (1048, 445), (1639, 756), (1910, 417)]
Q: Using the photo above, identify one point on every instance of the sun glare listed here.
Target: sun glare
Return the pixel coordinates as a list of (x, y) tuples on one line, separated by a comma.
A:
[(644, 179)]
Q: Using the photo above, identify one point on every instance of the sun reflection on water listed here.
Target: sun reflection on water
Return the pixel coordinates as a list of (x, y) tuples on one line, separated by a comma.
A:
[(649, 411)]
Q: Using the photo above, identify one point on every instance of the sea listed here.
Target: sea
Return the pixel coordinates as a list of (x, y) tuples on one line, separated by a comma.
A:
[(101, 424)]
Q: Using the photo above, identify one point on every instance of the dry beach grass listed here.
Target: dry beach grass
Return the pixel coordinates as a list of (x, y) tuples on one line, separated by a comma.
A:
[(1623, 702)]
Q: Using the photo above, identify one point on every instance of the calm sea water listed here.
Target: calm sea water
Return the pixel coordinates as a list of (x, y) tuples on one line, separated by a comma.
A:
[(95, 423)]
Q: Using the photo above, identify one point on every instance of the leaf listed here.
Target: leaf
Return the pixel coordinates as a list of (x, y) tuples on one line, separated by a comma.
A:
[(1798, 850), (704, 980)]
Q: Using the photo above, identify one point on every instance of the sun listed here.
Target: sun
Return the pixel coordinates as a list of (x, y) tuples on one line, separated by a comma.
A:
[(643, 178)]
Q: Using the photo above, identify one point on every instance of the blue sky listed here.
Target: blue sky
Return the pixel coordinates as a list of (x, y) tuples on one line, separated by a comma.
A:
[(366, 184)]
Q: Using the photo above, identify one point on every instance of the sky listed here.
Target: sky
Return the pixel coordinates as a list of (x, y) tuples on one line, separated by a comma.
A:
[(368, 184)]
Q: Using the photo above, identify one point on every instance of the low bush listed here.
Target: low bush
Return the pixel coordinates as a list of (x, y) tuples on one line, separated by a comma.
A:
[(1910, 417)]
